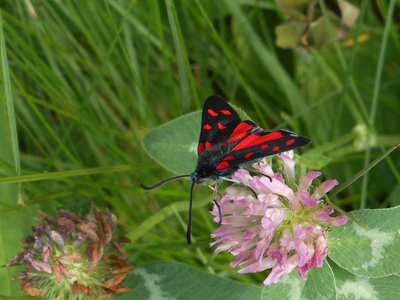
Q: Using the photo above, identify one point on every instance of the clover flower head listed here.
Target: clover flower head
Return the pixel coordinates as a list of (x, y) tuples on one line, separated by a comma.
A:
[(276, 221), (69, 257)]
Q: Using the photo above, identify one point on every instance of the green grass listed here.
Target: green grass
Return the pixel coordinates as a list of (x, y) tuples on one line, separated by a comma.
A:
[(83, 81)]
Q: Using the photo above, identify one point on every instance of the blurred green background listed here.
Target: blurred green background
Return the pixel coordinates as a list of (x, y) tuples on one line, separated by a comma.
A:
[(83, 81)]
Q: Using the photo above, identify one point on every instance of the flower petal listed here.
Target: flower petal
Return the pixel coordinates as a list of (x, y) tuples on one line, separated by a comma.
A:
[(304, 196), (338, 221), (266, 263), (325, 187), (306, 252), (242, 175), (308, 179), (323, 213), (278, 271), (277, 187), (273, 218), (261, 248), (287, 241), (321, 251), (289, 165)]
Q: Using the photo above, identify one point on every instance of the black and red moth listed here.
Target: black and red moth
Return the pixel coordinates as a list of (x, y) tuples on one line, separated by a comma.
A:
[(226, 142)]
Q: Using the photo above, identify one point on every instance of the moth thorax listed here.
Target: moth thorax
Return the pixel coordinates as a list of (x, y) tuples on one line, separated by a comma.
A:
[(208, 162)]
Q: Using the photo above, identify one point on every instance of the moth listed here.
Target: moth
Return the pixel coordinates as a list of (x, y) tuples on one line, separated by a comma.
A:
[(226, 142)]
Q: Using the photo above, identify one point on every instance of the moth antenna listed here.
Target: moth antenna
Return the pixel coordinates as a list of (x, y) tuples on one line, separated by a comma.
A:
[(189, 228), (150, 188)]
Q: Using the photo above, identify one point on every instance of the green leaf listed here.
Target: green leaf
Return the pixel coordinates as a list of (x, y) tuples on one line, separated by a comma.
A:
[(172, 280), (314, 161), (174, 144), (288, 34), (319, 34), (350, 286), (319, 285), (373, 252)]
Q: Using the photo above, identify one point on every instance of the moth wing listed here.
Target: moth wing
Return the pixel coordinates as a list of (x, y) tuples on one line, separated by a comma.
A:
[(218, 122), (260, 143)]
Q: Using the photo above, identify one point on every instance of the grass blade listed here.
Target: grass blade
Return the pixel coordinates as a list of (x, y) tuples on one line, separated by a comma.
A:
[(9, 194), (183, 64), (64, 174), (377, 85), (363, 171)]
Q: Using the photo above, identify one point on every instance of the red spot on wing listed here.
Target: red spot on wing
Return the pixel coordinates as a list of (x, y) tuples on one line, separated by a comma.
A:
[(240, 132), (257, 139), (276, 148), (290, 142), (212, 113), (220, 126), (208, 145), (229, 157), (207, 127), (264, 146), (225, 112), (200, 148), (248, 155), (223, 165)]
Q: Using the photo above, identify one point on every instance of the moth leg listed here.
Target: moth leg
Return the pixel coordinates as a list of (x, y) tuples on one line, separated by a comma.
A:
[(230, 180), (250, 189), (214, 187), (215, 192)]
